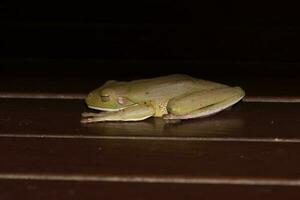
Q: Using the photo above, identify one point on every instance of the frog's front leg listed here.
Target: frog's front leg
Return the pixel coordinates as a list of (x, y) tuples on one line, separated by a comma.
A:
[(202, 104), (132, 113)]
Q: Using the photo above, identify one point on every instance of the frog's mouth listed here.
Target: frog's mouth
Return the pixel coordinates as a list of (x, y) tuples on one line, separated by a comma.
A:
[(105, 109)]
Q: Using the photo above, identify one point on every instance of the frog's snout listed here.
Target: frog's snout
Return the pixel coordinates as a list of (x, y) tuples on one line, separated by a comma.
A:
[(90, 99)]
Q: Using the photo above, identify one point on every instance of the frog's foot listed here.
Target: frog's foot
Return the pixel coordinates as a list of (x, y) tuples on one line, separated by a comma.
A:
[(214, 102), (132, 113)]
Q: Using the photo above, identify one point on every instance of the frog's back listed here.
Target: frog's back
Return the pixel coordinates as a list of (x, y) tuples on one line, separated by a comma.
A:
[(167, 87)]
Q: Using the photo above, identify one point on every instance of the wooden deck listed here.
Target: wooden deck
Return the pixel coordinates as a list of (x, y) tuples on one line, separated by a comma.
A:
[(249, 152)]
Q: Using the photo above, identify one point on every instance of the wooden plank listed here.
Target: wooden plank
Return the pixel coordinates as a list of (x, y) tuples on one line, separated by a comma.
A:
[(60, 118), (47, 87), (31, 190), (158, 161)]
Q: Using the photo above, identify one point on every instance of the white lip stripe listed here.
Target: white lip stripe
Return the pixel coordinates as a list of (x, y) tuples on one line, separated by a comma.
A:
[(110, 109), (104, 109)]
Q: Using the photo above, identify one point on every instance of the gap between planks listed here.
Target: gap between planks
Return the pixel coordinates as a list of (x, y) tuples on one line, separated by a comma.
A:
[(152, 179), (204, 139), (15, 95)]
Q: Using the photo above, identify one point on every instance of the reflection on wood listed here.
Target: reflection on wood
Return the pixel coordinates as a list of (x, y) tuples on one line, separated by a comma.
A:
[(158, 127)]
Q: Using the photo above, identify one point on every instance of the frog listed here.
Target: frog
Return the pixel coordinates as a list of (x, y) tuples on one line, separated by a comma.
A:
[(171, 97)]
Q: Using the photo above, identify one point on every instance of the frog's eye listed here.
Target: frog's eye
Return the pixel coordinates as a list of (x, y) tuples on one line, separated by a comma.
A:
[(105, 98)]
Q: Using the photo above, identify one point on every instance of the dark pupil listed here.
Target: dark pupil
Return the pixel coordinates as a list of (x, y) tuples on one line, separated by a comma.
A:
[(105, 98)]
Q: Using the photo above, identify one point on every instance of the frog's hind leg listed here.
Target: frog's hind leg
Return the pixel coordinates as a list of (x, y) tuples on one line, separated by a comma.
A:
[(132, 113), (203, 104)]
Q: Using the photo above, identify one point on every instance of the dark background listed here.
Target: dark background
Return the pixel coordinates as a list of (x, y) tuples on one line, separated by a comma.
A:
[(115, 39)]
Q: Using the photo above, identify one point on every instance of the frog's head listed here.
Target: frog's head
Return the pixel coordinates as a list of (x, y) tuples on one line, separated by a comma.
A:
[(107, 99)]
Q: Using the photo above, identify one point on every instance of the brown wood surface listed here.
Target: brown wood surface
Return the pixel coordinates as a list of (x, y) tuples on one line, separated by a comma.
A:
[(150, 161), (248, 152)]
